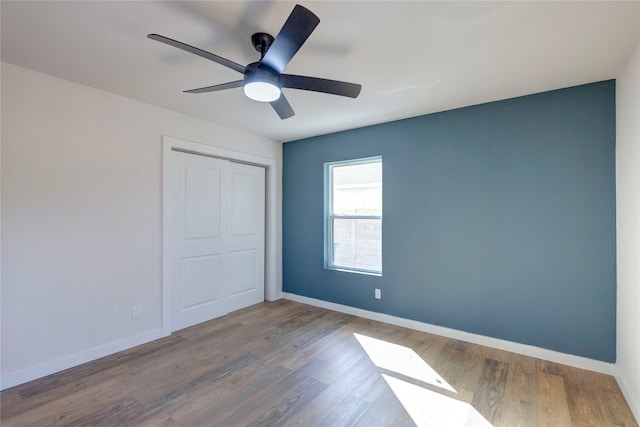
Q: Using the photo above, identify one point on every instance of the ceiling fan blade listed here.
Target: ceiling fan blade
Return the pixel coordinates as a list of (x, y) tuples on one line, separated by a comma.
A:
[(333, 87), (293, 34), (216, 88), (282, 107), (203, 53)]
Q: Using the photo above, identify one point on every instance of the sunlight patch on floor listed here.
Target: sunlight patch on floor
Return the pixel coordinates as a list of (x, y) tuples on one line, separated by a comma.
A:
[(428, 408), (401, 360), (425, 407)]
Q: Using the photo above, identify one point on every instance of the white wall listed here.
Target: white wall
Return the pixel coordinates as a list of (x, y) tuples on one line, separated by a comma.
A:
[(628, 233), (81, 218)]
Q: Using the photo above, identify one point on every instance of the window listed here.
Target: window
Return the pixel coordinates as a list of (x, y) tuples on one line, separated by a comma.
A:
[(354, 220)]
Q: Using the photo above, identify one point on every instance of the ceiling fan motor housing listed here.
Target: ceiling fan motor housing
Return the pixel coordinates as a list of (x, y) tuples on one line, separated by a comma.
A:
[(260, 75), (260, 72)]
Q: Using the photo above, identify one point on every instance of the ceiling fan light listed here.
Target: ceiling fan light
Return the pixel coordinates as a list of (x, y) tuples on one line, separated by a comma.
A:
[(262, 91)]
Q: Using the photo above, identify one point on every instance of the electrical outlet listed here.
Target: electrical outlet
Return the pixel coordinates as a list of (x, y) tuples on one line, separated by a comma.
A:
[(378, 294), (136, 312)]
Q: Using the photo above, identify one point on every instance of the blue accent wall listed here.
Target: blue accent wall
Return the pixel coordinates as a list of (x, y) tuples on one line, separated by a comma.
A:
[(499, 219)]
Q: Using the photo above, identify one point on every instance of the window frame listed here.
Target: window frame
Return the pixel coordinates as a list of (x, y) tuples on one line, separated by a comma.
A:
[(330, 216)]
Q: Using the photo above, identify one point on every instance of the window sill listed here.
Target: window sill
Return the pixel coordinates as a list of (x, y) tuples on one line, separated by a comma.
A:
[(348, 270)]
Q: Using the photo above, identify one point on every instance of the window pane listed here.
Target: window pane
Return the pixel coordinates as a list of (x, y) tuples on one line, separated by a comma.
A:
[(357, 243), (357, 189)]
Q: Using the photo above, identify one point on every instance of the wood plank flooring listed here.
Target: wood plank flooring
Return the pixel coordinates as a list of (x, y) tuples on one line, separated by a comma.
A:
[(290, 364)]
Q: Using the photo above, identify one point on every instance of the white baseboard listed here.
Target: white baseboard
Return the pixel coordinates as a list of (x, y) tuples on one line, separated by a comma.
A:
[(274, 297), (632, 400), (57, 365), (527, 350)]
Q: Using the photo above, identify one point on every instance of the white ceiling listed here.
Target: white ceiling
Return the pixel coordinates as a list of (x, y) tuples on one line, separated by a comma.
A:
[(411, 58)]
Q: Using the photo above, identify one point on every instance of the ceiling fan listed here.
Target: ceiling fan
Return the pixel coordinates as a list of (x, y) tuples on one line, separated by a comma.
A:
[(263, 80)]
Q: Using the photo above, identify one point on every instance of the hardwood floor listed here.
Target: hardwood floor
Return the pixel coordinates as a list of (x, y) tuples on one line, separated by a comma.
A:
[(285, 363)]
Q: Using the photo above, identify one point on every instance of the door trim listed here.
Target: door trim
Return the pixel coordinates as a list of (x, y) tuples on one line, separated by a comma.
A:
[(272, 286)]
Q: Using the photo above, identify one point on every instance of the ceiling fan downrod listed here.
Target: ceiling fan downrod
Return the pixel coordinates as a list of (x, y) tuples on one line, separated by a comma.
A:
[(262, 42)]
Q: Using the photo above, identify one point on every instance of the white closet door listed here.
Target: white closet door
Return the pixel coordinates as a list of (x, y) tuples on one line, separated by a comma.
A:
[(216, 241), (199, 266), (246, 236)]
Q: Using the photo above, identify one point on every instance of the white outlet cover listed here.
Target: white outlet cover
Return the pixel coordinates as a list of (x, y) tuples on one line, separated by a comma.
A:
[(136, 312)]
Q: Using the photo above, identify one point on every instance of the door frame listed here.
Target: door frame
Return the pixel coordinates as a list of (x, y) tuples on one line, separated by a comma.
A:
[(272, 289)]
